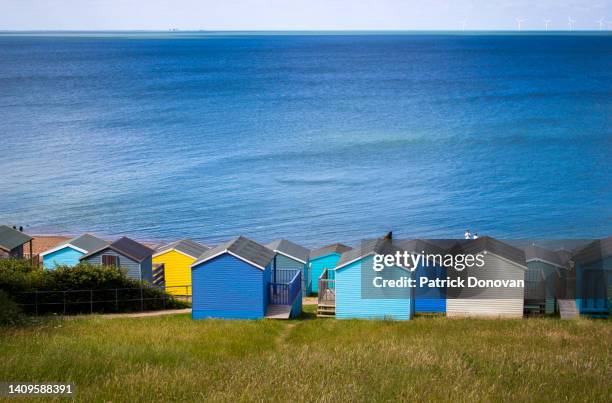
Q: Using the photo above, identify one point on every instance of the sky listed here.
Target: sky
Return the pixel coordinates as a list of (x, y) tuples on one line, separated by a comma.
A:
[(302, 14)]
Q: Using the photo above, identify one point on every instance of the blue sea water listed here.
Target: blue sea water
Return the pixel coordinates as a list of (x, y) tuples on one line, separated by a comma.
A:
[(315, 138)]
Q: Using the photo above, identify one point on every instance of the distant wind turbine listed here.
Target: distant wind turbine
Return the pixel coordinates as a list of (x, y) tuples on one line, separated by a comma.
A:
[(547, 22), (519, 23), (570, 23), (601, 23), (463, 24)]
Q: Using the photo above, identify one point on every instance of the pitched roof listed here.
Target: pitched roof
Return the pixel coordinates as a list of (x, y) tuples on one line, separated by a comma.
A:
[(186, 246), (290, 249), (491, 245), (11, 238), (378, 246), (596, 250), (536, 253), (419, 246), (242, 248), (85, 243), (329, 249), (127, 247)]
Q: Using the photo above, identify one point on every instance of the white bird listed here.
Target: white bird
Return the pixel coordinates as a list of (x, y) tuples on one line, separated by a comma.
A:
[(547, 22), (519, 23), (570, 22)]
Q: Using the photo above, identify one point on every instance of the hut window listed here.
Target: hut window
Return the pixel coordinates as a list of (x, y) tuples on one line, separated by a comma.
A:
[(109, 260)]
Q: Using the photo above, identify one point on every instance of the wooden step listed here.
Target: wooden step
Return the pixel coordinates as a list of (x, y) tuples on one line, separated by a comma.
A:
[(326, 311), (278, 311), (568, 309)]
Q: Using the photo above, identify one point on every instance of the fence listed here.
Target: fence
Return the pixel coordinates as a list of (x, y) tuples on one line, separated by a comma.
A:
[(112, 300), (181, 292), (285, 292), (327, 289)]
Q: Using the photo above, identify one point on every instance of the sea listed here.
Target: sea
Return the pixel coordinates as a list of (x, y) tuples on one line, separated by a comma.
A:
[(312, 137)]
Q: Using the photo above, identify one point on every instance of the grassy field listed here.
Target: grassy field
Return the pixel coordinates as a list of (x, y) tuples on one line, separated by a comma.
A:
[(175, 358)]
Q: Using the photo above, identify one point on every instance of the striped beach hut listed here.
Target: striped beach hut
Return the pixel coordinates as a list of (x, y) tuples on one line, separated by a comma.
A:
[(357, 297), (68, 253), (427, 300), (593, 266), (126, 253), (545, 279), (234, 281), (501, 262), (12, 243), (289, 257), (324, 258), (177, 258)]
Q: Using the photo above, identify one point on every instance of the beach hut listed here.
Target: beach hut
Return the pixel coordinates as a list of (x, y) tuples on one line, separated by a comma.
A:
[(177, 258), (501, 262), (12, 243), (324, 258), (288, 257), (68, 253), (593, 267), (126, 253), (234, 281), (427, 299), (357, 295), (545, 279)]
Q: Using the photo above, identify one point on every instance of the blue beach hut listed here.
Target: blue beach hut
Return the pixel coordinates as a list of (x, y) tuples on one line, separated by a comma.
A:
[(126, 253), (68, 253), (289, 257), (324, 258), (427, 300), (356, 296), (593, 265), (235, 281)]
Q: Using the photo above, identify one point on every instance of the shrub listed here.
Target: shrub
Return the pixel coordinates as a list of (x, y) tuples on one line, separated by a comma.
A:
[(84, 288), (10, 313)]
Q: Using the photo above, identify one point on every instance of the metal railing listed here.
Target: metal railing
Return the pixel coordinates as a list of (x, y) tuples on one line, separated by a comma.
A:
[(285, 292), (327, 288), (181, 292), (91, 301)]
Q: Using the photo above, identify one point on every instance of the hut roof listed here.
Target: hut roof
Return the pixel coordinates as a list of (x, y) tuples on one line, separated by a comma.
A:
[(596, 250), (419, 246), (290, 249), (536, 253), (326, 250), (378, 246), (84, 243), (242, 248), (11, 238), (127, 247), (185, 246), (491, 245)]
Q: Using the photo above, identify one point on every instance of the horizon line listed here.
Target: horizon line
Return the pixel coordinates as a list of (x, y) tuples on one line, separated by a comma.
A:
[(177, 30)]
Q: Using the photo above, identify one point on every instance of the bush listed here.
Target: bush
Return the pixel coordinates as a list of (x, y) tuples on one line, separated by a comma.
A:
[(10, 313), (84, 288)]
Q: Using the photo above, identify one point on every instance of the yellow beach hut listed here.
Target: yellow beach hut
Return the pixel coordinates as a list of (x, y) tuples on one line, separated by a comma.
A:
[(177, 258)]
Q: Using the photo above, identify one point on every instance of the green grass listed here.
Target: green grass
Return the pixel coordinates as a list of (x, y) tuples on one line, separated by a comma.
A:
[(175, 358)]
